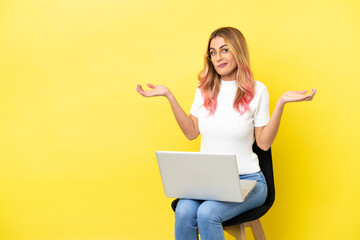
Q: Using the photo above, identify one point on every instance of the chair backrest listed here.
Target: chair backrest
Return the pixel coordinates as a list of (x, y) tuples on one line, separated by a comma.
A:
[(265, 162), (266, 166)]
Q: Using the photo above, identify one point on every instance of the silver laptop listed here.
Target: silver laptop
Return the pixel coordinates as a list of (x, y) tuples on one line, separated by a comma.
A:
[(204, 176)]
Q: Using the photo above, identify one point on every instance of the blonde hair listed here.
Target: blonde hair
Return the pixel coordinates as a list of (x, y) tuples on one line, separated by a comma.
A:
[(210, 79)]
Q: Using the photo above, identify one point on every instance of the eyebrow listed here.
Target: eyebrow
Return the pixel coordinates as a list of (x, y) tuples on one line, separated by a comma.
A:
[(220, 47)]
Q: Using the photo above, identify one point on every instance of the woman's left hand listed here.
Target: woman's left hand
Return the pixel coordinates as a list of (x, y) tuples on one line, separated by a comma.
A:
[(297, 96)]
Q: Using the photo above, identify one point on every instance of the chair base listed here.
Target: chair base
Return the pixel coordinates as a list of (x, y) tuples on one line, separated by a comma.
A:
[(238, 231)]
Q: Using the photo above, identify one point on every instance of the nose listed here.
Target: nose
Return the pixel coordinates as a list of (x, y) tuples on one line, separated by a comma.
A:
[(218, 56)]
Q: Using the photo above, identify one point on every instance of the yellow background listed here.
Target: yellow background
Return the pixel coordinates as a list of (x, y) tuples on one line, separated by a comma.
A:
[(77, 142)]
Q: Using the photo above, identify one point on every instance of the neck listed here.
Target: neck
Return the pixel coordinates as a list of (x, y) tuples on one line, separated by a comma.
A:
[(227, 78)]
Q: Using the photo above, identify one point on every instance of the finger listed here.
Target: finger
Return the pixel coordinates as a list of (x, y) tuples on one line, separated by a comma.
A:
[(137, 87), (144, 93), (311, 96), (313, 93), (141, 93), (140, 90), (150, 85), (302, 92)]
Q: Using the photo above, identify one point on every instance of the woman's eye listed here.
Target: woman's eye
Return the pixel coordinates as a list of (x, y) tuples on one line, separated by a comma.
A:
[(213, 53), (225, 50)]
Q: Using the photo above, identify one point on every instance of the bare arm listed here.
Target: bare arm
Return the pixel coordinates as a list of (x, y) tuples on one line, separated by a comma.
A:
[(188, 124), (265, 135)]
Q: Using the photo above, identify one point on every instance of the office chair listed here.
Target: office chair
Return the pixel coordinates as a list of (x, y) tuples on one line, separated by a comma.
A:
[(236, 226)]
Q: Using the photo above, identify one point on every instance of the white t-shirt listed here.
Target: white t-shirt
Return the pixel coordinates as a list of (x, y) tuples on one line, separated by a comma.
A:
[(227, 131)]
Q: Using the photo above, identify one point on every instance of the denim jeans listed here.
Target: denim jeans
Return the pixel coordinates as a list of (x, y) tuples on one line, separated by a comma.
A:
[(207, 216)]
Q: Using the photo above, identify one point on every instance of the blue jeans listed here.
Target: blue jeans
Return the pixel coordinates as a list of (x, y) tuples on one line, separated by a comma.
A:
[(207, 216)]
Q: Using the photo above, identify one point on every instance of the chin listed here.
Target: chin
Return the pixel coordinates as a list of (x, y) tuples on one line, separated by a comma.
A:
[(223, 73)]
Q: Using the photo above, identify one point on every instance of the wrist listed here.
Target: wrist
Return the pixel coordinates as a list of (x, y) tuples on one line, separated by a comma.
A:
[(281, 101), (169, 94)]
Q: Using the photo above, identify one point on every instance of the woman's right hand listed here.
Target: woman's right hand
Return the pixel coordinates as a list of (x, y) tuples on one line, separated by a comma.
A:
[(188, 124), (156, 90)]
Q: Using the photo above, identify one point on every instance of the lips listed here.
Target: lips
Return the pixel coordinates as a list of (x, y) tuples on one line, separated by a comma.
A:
[(222, 65)]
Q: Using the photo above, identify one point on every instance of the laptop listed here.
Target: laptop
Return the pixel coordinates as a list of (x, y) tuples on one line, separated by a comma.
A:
[(202, 176)]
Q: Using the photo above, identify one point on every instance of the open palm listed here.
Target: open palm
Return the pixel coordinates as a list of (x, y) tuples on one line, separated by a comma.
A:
[(298, 96), (156, 90)]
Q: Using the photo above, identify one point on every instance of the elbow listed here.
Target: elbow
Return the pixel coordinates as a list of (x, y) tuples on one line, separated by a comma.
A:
[(192, 136), (264, 147)]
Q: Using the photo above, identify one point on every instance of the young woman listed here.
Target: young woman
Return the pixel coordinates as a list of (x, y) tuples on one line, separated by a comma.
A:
[(231, 111)]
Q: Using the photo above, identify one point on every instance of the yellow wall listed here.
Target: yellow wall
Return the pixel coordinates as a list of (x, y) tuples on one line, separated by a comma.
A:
[(77, 142)]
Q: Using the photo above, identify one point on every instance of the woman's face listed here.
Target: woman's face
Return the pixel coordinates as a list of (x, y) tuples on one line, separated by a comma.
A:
[(222, 59)]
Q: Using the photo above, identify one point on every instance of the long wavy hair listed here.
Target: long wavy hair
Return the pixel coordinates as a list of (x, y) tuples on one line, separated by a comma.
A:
[(210, 79)]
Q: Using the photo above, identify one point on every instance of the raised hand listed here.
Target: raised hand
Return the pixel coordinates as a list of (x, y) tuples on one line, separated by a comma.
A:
[(298, 96), (156, 90)]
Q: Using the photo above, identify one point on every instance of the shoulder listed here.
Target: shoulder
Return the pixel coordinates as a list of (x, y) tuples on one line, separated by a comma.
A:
[(259, 86), (198, 93), (261, 93)]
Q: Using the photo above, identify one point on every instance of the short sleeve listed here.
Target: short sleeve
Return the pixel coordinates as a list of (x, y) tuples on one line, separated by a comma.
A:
[(261, 115), (197, 103)]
